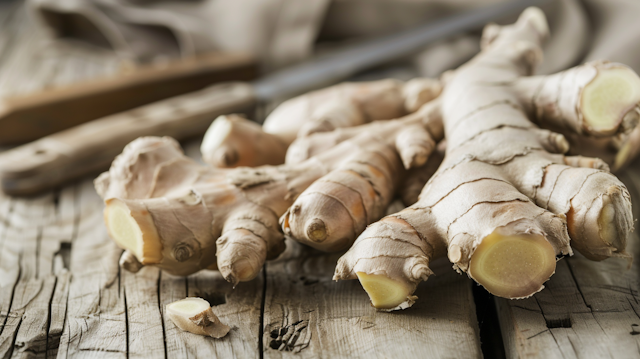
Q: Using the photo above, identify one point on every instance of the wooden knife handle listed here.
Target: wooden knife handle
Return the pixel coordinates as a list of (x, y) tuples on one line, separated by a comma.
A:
[(27, 118), (91, 147)]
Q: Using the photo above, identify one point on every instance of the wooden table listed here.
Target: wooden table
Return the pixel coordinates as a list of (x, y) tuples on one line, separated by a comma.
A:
[(62, 293)]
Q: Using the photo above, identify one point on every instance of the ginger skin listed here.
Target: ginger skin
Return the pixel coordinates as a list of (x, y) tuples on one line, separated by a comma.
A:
[(335, 209), (506, 202), (233, 142), (166, 210)]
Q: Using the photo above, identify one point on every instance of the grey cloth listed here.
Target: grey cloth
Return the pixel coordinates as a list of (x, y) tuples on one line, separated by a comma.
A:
[(276, 31), (279, 32)]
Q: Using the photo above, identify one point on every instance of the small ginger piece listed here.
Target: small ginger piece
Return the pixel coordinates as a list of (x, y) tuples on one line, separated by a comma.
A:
[(194, 315)]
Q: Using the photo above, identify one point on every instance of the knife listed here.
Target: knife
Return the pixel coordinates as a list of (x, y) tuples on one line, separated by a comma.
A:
[(91, 147)]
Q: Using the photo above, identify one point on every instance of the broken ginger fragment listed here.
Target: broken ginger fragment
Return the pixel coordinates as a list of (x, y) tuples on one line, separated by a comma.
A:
[(194, 315)]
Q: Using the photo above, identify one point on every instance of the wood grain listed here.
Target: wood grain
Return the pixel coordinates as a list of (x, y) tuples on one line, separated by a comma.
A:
[(96, 321), (27, 309)]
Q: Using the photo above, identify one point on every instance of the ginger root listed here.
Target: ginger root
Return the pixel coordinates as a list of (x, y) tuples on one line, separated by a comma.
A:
[(166, 210), (506, 201), (232, 141), (194, 315)]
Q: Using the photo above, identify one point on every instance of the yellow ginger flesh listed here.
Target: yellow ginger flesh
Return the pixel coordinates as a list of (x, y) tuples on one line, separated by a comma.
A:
[(512, 266)]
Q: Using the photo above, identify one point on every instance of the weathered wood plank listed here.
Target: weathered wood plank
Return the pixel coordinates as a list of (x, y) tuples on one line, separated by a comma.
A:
[(27, 308), (144, 322), (588, 309), (9, 263), (55, 244), (31, 334), (94, 309), (60, 232), (28, 320), (58, 308), (96, 323), (307, 314), (31, 337)]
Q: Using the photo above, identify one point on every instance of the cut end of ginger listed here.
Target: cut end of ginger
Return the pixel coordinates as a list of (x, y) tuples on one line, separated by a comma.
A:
[(316, 230), (608, 97), (242, 270), (384, 292), (194, 315), (215, 136), (123, 227), (607, 221), (513, 266), (134, 231)]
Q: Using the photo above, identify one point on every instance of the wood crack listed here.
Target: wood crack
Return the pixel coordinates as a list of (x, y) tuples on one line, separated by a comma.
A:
[(262, 306), (126, 312), (13, 292), (160, 309), (13, 341), (46, 343)]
